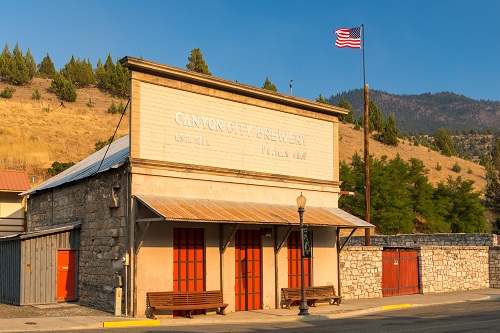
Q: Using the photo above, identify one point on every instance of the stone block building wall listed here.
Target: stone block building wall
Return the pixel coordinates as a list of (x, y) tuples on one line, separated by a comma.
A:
[(100, 204), (453, 268), (361, 272), (412, 240), (494, 267)]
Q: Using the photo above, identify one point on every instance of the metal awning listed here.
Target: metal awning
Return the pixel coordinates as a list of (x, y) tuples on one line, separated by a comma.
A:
[(221, 211)]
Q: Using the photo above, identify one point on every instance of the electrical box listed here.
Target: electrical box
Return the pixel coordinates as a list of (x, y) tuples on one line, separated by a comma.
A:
[(118, 301)]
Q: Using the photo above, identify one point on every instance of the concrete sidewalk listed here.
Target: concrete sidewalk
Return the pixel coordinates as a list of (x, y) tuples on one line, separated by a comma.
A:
[(348, 308)]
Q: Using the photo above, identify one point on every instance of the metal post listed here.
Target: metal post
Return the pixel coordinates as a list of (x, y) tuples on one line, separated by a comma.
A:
[(304, 309)]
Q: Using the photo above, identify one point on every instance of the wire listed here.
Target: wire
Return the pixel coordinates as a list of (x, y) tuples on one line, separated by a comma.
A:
[(113, 137)]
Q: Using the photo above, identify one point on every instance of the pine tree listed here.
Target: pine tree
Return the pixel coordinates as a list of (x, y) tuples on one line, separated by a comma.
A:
[(495, 154), (443, 142), (5, 63), (375, 117), (119, 81), (46, 68), (19, 72), (31, 64), (79, 72), (268, 85), (100, 75), (196, 62), (389, 134), (349, 118), (321, 99)]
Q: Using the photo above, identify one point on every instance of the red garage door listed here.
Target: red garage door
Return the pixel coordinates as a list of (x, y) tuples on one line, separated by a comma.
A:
[(399, 272), (247, 270)]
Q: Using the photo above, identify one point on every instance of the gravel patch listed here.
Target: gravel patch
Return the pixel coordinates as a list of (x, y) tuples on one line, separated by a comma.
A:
[(49, 310)]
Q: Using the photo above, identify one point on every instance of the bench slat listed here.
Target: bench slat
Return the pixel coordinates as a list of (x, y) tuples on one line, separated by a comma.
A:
[(313, 294)]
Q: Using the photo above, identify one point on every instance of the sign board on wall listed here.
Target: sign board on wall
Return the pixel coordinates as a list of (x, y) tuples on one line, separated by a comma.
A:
[(185, 127)]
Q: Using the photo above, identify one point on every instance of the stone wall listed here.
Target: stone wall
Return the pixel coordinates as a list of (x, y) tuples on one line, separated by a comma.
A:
[(100, 204), (494, 267), (412, 240), (453, 268), (361, 272)]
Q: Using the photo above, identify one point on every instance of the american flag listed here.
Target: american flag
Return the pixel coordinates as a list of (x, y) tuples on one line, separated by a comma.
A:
[(348, 37)]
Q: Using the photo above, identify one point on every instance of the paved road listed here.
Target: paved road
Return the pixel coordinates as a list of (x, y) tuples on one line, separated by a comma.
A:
[(477, 317)]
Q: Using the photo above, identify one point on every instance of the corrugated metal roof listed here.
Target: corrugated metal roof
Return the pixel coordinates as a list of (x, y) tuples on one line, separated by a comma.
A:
[(44, 231), (116, 156), (13, 180), (219, 211)]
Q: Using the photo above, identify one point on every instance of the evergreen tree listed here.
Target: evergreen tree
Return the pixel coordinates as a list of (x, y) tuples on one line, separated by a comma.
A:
[(460, 206), (196, 62), (79, 72), (100, 75), (321, 99), (31, 64), (19, 72), (120, 80), (443, 142), (495, 154), (492, 190), (375, 116), (5, 63), (349, 118), (46, 68), (268, 85), (389, 135), (64, 88)]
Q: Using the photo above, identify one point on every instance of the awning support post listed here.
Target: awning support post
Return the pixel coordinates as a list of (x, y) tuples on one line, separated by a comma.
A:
[(288, 232), (348, 238), (141, 238), (231, 235)]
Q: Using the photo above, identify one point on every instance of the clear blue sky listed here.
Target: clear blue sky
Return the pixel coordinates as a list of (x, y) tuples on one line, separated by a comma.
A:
[(411, 46)]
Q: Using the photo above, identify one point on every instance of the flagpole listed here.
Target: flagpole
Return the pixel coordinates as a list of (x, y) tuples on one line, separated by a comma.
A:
[(366, 143)]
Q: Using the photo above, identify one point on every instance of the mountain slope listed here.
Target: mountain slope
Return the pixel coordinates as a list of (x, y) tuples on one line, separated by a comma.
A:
[(425, 113)]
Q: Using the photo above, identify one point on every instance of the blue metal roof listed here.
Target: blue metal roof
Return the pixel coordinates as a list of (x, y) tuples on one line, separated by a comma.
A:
[(116, 155)]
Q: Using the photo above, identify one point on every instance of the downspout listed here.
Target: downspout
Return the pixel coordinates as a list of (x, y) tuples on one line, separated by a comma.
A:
[(339, 284), (131, 234), (277, 296)]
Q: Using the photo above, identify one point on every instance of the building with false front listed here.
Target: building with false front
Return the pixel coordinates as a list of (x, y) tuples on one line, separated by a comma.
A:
[(201, 195)]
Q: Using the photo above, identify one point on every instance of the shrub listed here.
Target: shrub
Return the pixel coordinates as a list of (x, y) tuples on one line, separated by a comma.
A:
[(58, 167), (438, 166), (113, 109), (36, 95), (456, 168), (7, 92), (90, 104), (469, 171), (64, 88)]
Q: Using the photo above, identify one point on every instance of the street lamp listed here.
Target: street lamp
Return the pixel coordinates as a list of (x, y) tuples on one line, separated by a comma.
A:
[(304, 309)]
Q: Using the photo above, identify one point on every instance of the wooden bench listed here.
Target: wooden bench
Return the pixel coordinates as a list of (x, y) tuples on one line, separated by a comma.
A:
[(313, 294), (185, 301)]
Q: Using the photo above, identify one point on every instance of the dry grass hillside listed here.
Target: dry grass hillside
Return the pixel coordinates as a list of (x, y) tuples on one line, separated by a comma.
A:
[(35, 133), (32, 138), (352, 141)]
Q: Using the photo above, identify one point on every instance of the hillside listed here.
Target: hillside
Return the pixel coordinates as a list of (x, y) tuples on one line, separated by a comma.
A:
[(425, 113), (32, 139)]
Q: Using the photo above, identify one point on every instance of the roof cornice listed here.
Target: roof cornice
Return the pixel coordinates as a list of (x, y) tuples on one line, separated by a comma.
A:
[(153, 68)]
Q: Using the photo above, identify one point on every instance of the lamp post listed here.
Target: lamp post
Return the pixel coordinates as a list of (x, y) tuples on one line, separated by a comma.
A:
[(304, 309)]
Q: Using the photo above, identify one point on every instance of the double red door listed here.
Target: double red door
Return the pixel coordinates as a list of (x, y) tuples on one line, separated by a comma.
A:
[(247, 270), (66, 275), (294, 251), (399, 272)]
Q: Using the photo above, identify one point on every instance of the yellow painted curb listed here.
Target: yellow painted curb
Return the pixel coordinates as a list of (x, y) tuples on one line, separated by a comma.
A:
[(396, 306), (129, 323)]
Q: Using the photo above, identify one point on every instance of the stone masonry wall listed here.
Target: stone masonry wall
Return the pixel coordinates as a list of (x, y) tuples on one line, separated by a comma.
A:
[(412, 240), (100, 204), (494, 267), (453, 268), (361, 272)]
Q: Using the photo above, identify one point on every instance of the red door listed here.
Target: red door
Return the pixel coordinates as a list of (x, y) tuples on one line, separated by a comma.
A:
[(189, 262), (399, 272), (247, 270), (189, 259), (294, 252), (66, 275)]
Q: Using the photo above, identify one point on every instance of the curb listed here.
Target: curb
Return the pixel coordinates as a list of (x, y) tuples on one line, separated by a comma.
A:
[(131, 323)]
